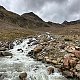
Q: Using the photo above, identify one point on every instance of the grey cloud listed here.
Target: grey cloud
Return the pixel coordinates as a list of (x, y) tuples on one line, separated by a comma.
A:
[(54, 10)]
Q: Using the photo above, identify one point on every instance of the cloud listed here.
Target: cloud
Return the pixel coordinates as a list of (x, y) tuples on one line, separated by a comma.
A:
[(48, 10)]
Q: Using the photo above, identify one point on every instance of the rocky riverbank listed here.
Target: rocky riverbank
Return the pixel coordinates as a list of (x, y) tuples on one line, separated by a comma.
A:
[(62, 53)]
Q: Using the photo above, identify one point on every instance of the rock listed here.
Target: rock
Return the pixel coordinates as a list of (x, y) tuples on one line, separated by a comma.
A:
[(68, 74), (77, 74), (5, 53), (20, 50), (76, 53), (66, 61), (23, 76), (31, 54), (40, 58), (50, 70), (38, 48), (30, 41), (62, 46), (11, 45), (77, 48), (3, 49), (78, 67), (70, 49), (35, 43), (69, 61), (54, 62)]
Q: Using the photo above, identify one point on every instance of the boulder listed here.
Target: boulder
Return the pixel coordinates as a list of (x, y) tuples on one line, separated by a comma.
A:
[(72, 62), (5, 53), (66, 61), (70, 49), (78, 67), (50, 70), (69, 61), (76, 53), (68, 74), (23, 76), (54, 62), (38, 48), (77, 74), (3, 49), (20, 50)]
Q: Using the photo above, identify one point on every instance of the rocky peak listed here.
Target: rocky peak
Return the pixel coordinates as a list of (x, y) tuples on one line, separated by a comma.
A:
[(71, 22), (32, 16), (1, 7)]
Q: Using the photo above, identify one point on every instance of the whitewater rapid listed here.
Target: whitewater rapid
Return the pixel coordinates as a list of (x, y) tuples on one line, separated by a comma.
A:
[(11, 67)]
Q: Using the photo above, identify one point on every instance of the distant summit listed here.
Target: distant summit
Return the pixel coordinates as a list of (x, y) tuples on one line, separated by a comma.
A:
[(71, 22), (32, 16), (1, 7)]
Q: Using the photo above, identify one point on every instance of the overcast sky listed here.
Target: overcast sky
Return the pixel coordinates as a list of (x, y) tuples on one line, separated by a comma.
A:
[(48, 10)]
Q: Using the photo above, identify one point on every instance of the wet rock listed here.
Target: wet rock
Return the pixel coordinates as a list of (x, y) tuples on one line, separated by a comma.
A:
[(30, 41), (35, 43), (78, 67), (66, 61), (5, 53), (31, 54), (50, 70), (40, 58), (38, 48), (23, 76), (68, 74), (11, 45), (3, 49), (20, 50)]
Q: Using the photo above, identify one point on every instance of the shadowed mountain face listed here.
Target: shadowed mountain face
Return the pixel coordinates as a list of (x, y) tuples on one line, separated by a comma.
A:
[(71, 23), (31, 21)]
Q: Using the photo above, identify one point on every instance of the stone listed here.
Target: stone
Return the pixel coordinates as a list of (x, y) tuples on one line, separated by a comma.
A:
[(20, 50), (77, 75), (72, 62), (66, 61), (38, 48), (50, 70), (77, 48), (54, 62), (3, 49), (68, 74), (40, 58), (76, 53), (5, 53), (78, 67), (70, 49), (62, 46), (23, 76)]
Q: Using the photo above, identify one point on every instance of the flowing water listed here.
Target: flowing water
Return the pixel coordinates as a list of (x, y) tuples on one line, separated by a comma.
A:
[(10, 68)]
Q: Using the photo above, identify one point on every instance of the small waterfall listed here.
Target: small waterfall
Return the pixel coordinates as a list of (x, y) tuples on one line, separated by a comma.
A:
[(12, 67)]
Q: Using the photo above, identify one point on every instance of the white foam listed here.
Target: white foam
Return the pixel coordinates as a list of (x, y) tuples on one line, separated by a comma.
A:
[(21, 63)]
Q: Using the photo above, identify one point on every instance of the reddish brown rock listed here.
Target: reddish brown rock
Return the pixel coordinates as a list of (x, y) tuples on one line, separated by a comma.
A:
[(50, 70), (38, 48), (76, 53), (66, 61)]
